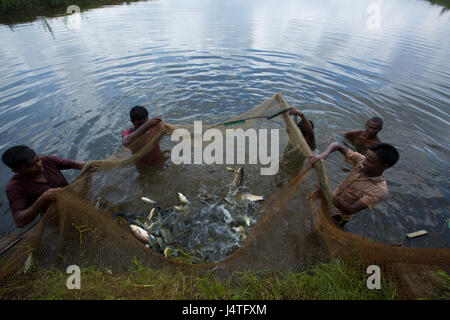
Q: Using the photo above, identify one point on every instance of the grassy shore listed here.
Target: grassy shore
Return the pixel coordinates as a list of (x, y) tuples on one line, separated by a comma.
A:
[(444, 3), (327, 281), (7, 6)]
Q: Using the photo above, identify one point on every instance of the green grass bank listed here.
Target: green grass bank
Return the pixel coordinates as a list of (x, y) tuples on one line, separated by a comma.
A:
[(334, 281), (7, 6), (444, 3)]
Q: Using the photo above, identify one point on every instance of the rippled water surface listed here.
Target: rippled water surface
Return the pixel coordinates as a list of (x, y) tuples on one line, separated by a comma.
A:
[(67, 92)]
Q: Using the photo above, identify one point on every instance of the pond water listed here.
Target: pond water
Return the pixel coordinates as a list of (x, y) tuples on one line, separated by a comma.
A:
[(66, 89)]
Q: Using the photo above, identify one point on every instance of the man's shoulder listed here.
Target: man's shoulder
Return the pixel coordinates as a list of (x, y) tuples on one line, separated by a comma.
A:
[(354, 156), (16, 183), (50, 160), (353, 133), (12, 184), (128, 131), (46, 158), (54, 162), (378, 186), (382, 186)]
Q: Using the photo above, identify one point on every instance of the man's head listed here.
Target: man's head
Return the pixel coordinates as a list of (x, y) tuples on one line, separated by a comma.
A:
[(138, 116), (379, 157), (373, 126), (22, 160)]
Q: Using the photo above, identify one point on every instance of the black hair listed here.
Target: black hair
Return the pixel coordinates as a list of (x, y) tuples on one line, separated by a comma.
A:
[(18, 156), (376, 120), (387, 153), (138, 113), (301, 126)]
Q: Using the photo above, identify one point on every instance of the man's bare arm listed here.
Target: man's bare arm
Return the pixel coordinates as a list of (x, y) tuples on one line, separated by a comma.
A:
[(306, 124), (78, 165), (335, 146), (352, 133), (309, 131), (25, 216), (139, 131)]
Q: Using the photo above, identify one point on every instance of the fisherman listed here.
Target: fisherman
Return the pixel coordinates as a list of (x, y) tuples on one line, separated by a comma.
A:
[(306, 127), (293, 160), (368, 136), (365, 185), (141, 132), (36, 182)]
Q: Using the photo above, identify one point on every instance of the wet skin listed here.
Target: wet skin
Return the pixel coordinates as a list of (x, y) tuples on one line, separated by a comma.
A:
[(365, 138)]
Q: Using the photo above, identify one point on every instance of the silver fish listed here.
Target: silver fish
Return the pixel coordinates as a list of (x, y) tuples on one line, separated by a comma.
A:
[(179, 208), (251, 197), (239, 229), (246, 220), (151, 215), (28, 262), (182, 198), (237, 181), (148, 200), (141, 234), (227, 216), (229, 201), (238, 178)]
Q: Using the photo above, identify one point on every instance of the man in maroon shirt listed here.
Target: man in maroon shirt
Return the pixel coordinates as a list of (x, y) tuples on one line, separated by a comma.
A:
[(36, 182), (141, 133)]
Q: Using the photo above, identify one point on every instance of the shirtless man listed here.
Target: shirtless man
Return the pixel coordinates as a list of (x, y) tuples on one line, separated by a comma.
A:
[(293, 160), (368, 136), (141, 132), (306, 127)]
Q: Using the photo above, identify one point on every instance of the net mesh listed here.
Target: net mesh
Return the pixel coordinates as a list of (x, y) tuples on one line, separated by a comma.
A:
[(290, 232)]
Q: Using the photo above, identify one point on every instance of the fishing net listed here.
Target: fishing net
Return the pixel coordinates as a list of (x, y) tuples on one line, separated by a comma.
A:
[(222, 229)]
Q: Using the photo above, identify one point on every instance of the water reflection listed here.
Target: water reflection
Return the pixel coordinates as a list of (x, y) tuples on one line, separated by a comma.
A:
[(67, 92)]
